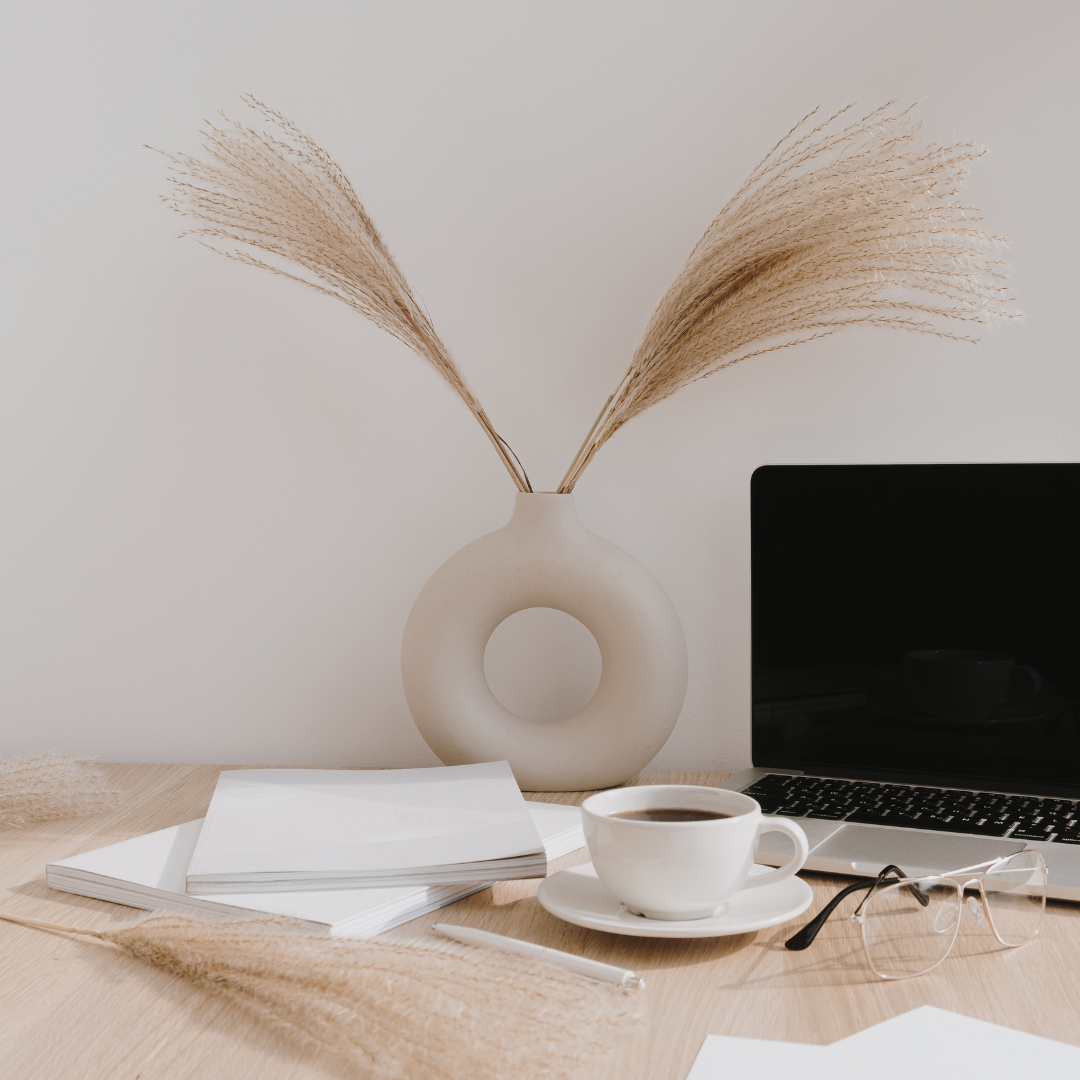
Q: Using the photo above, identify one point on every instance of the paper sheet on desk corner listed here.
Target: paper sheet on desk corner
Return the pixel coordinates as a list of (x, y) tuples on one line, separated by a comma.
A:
[(925, 1038)]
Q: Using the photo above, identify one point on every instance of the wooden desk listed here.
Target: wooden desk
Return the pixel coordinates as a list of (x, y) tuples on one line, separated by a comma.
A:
[(74, 1011)]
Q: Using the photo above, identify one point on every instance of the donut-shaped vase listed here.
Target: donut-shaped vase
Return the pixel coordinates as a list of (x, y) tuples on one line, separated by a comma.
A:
[(546, 557)]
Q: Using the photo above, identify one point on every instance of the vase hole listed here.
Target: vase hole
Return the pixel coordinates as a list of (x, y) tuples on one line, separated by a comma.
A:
[(542, 664)]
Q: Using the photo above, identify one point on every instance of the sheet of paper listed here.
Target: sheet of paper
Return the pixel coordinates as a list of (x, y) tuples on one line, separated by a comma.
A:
[(925, 1038), (725, 1057), (953, 1043), (264, 821)]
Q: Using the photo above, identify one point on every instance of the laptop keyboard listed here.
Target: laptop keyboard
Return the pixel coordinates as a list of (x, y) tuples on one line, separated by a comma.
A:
[(1019, 817)]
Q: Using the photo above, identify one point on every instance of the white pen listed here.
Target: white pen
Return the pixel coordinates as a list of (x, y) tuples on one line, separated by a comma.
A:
[(593, 969)]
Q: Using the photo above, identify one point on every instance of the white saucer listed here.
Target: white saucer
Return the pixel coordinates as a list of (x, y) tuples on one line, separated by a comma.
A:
[(577, 896)]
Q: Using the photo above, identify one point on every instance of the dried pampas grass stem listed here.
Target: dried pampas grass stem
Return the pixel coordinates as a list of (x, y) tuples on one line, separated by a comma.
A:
[(396, 1011), (272, 189), (846, 222), (51, 786)]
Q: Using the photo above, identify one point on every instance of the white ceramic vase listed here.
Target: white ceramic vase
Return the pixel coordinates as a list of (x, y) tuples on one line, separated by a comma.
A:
[(545, 557)]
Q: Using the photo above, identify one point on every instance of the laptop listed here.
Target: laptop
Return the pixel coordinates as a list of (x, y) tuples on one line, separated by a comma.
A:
[(916, 664)]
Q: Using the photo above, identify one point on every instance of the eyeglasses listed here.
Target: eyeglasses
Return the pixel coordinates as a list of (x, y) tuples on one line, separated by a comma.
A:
[(908, 925)]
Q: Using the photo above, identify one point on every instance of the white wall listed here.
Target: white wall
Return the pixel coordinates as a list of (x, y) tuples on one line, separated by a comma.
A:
[(219, 495)]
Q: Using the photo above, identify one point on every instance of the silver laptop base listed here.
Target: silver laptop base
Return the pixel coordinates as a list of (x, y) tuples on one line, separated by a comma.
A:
[(858, 849)]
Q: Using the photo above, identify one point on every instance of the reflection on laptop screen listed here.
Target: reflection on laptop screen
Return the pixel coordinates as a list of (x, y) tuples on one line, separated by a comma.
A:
[(918, 619)]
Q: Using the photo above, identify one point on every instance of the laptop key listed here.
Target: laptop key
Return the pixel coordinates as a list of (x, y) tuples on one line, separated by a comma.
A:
[(1021, 834), (776, 790), (871, 817)]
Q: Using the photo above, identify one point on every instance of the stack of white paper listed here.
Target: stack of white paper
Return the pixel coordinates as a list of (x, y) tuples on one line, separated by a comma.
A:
[(925, 1040), (148, 872), (270, 830)]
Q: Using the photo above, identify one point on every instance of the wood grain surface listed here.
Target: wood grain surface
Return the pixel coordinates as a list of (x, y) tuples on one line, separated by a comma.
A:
[(73, 1010)]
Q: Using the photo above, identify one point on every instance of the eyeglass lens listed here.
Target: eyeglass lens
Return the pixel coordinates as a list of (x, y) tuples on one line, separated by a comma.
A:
[(902, 938), (1015, 894)]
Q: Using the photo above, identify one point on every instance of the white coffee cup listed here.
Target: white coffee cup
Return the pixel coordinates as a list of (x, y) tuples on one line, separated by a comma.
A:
[(681, 869)]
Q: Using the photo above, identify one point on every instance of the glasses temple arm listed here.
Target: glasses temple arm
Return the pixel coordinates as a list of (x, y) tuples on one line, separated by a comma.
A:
[(805, 937)]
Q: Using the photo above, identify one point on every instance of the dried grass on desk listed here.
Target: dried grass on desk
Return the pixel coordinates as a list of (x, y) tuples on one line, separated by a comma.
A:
[(395, 1010), (51, 786)]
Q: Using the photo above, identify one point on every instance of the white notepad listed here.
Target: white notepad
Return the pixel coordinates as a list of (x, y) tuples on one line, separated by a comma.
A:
[(923, 1041), (148, 872), (290, 829)]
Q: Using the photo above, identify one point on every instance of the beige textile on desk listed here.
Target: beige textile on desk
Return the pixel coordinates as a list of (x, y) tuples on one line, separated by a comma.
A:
[(72, 1014), (51, 786)]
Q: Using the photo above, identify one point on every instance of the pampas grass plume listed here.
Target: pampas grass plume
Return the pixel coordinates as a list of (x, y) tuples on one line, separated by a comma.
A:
[(272, 189), (846, 222), (394, 1010)]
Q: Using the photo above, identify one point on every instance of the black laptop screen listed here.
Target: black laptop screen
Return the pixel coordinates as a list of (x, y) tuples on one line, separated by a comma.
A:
[(918, 620)]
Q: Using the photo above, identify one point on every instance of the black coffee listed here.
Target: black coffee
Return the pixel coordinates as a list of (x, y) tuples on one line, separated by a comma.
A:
[(669, 815)]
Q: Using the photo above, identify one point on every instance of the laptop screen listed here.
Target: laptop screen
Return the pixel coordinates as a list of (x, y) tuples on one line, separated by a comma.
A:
[(918, 621)]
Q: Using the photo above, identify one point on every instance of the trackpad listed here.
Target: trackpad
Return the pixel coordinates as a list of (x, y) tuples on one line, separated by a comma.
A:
[(870, 849), (775, 848)]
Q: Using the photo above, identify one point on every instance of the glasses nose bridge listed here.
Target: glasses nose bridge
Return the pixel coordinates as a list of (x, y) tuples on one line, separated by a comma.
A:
[(962, 880)]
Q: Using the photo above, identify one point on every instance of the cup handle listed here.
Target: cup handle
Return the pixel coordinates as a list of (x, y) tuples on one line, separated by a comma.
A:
[(1033, 680), (793, 865)]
